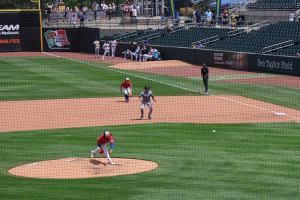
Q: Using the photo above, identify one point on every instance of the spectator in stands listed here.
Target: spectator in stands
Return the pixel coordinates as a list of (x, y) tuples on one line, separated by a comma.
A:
[(249, 29), (169, 28), (199, 45), (209, 15), (84, 10), (74, 19), (109, 11), (177, 18), (95, 7), (291, 17), (134, 14), (146, 42), (225, 15), (81, 19), (298, 54), (114, 9), (197, 15), (138, 9)]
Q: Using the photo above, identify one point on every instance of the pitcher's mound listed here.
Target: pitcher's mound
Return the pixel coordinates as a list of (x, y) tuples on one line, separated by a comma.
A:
[(75, 168)]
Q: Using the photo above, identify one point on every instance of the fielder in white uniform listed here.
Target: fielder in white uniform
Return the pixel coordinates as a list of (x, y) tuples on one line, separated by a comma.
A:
[(114, 44), (146, 96), (97, 48), (106, 49)]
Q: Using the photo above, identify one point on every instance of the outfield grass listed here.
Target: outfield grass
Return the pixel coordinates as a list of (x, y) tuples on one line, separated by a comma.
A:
[(48, 78), (26, 78), (254, 161)]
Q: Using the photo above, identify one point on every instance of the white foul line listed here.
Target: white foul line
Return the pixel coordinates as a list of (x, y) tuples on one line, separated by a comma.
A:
[(183, 88)]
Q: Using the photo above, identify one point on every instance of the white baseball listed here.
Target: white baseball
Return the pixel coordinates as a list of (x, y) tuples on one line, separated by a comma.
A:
[(214, 131)]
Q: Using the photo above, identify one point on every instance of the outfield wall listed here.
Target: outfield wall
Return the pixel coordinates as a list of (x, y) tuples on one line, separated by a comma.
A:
[(229, 60), (20, 31), (70, 39)]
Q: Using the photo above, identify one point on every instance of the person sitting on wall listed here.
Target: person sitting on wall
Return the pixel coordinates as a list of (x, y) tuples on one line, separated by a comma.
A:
[(136, 53), (129, 53), (156, 54), (142, 52), (149, 55)]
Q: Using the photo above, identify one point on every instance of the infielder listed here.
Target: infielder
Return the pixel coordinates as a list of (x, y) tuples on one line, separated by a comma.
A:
[(103, 139), (106, 49), (114, 44), (145, 97), (126, 89), (97, 48)]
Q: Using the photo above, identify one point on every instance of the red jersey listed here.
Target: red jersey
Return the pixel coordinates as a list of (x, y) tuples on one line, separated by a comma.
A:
[(126, 84), (104, 140)]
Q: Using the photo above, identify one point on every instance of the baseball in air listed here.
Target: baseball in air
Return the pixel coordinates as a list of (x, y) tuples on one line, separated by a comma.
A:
[(214, 131)]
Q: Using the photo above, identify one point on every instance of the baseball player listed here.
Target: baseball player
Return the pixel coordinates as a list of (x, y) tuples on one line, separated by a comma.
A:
[(97, 48), (145, 97), (106, 48), (126, 88), (204, 73), (113, 44), (103, 139)]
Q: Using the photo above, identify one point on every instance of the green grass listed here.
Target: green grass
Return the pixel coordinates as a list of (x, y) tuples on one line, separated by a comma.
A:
[(254, 161), (47, 78)]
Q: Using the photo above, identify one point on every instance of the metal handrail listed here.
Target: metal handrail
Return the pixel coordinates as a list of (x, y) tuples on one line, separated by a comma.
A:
[(146, 36), (126, 35), (280, 46), (203, 41)]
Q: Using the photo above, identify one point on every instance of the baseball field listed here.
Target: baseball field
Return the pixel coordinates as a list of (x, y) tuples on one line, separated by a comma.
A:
[(239, 142)]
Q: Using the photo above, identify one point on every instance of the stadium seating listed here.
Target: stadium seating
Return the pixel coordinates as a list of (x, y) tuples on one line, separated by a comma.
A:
[(275, 4), (185, 38), (141, 35), (255, 41)]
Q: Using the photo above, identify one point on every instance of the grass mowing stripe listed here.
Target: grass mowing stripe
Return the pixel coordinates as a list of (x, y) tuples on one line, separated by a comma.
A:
[(252, 161), (121, 72)]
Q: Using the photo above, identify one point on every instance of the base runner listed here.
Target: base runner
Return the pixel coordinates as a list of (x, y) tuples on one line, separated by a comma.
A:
[(145, 97), (126, 88)]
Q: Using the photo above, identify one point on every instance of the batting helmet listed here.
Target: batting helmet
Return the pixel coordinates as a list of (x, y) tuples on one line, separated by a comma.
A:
[(147, 87)]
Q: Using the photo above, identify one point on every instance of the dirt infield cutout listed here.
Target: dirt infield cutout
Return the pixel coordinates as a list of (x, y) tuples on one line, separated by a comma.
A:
[(86, 112), (79, 168)]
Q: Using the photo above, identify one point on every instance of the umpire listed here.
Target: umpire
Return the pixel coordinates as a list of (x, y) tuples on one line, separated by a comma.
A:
[(204, 73)]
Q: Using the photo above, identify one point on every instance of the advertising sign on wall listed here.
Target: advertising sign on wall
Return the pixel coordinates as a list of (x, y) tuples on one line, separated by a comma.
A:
[(57, 39), (230, 59), (10, 32)]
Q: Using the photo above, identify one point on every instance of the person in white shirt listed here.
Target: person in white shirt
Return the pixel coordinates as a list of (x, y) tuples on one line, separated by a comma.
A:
[(114, 44), (291, 18), (134, 13), (97, 48), (106, 49)]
